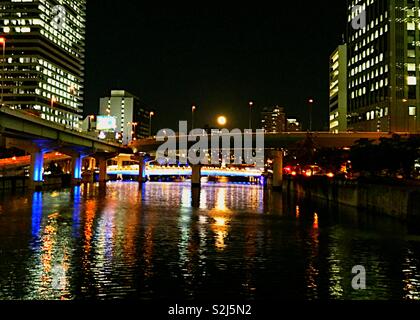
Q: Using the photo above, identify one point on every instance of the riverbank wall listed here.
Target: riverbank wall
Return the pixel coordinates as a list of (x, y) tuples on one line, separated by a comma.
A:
[(396, 200), (20, 183)]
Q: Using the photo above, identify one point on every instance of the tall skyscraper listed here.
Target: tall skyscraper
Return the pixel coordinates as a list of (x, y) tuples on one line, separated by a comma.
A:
[(384, 65), (338, 90), (44, 58), (274, 120), (132, 118)]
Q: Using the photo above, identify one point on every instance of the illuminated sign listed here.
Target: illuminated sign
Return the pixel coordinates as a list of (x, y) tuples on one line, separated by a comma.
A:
[(106, 123)]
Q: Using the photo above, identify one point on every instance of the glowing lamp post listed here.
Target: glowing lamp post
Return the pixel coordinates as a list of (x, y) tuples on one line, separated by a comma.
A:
[(310, 103), (3, 43), (133, 130), (251, 105), (150, 123), (91, 118), (193, 109)]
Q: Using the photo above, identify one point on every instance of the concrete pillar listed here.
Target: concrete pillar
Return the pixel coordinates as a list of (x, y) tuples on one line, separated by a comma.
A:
[(278, 170), (76, 173), (196, 176), (67, 167), (120, 162), (102, 170), (36, 171), (142, 170), (195, 197), (92, 164)]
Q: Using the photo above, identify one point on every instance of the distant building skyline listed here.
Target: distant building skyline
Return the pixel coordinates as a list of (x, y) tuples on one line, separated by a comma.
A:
[(293, 125), (274, 120)]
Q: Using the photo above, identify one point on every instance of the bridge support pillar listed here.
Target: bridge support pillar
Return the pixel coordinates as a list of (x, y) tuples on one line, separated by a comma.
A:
[(278, 171), (89, 175), (92, 164), (37, 152), (102, 170), (36, 179), (76, 174), (101, 159), (196, 176), (120, 162), (142, 170)]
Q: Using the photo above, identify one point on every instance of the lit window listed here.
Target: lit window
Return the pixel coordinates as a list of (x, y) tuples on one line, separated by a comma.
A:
[(411, 67), (411, 81)]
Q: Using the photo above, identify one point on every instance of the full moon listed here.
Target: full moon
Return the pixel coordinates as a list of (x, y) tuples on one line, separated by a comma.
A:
[(221, 120)]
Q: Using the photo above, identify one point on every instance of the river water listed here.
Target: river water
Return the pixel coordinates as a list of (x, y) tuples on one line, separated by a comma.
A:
[(227, 241)]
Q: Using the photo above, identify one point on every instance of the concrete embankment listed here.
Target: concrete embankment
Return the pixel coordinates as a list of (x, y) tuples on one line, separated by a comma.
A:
[(19, 183), (396, 200)]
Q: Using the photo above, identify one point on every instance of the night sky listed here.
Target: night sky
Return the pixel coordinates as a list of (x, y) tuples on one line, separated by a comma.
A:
[(215, 56)]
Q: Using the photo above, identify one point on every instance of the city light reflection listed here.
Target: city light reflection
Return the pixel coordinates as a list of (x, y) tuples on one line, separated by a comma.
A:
[(220, 216), (36, 213), (126, 241)]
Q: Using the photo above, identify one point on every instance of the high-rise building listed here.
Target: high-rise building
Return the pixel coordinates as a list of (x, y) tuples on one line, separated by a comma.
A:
[(132, 119), (293, 125), (44, 58), (383, 65), (338, 90), (274, 120)]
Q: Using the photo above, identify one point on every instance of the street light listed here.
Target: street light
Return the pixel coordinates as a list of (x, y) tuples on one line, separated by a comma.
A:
[(151, 114), (251, 104), (3, 42), (133, 129), (90, 123), (311, 103), (192, 116)]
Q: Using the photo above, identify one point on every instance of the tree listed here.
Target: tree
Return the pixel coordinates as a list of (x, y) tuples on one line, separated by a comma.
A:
[(390, 157)]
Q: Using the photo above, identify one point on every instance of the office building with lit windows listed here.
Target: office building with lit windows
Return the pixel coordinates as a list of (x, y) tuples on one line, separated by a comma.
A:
[(338, 90), (132, 118), (274, 120), (44, 58), (383, 66)]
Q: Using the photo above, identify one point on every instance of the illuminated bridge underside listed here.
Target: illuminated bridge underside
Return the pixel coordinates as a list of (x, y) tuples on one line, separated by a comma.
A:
[(205, 171)]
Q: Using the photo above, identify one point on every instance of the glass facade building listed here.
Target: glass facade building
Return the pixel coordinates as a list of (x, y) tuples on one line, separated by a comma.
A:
[(43, 71), (383, 65)]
